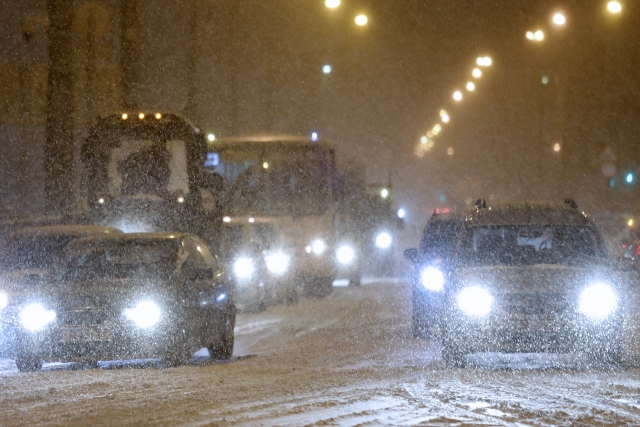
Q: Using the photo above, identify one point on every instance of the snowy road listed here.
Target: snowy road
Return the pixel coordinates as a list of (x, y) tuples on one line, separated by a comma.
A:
[(344, 360)]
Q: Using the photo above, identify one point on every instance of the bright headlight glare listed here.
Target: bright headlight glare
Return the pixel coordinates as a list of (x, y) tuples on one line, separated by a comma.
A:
[(35, 317), (475, 301), (318, 247), (145, 315), (4, 300), (383, 240), (277, 263), (598, 301), (345, 254), (243, 268), (432, 279)]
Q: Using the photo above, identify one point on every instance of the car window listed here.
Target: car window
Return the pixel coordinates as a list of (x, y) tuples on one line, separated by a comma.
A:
[(439, 238), (530, 245)]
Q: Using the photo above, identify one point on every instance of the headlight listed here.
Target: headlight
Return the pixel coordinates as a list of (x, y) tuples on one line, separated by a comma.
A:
[(383, 240), (345, 254), (277, 263), (475, 301), (243, 268), (4, 300), (598, 301), (35, 317), (318, 246), (432, 279), (144, 315)]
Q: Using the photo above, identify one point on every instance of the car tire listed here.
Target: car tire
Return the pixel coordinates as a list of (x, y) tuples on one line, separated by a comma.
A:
[(28, 365), (608, 355), (318, 287), (224, 349), (177, 352)]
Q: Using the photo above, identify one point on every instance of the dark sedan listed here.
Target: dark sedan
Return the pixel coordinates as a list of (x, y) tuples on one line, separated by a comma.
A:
[(129, 296)]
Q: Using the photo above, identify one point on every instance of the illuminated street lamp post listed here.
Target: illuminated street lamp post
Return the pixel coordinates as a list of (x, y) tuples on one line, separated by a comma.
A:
[(559, 19)]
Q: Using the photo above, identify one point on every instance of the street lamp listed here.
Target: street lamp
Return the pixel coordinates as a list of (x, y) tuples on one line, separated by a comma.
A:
[(559, 19), (332, 4), (484, 61), (361, 20), (537, 36), (326, 69), (614, 7), (457, 96), (476, 73), (471, 86)]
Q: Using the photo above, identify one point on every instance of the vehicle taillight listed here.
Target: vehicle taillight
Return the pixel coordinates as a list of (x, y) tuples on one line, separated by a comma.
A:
[(638, 250)]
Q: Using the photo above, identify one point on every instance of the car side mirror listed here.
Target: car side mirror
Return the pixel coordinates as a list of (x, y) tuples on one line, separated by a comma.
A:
[(411, 254)]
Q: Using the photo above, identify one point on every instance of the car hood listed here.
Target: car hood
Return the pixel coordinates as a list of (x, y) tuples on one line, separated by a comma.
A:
[(550, 279)]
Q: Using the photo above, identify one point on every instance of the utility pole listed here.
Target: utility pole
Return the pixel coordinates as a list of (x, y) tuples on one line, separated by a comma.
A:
[(129, 53), (191, 107), (59, 162)]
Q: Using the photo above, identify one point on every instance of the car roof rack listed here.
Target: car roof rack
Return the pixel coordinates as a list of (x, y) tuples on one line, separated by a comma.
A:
[(571, 203)]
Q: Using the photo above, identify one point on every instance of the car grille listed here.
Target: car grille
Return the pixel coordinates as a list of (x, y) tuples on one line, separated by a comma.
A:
[(539, 304), (84, 316)]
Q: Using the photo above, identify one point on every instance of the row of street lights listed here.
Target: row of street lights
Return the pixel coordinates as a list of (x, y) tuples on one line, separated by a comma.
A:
[(558, 19), (361, 19), (427, 141)]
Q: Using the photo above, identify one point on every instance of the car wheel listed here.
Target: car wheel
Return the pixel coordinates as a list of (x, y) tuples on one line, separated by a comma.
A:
[(318, 287), (28, 365), (177, 352), (609, 355), (223, 350)]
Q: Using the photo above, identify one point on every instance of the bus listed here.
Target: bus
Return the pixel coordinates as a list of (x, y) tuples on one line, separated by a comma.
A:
[(144, 172), (288, 183)]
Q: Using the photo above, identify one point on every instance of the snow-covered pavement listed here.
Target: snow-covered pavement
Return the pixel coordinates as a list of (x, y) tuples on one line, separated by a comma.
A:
[(347, 359)]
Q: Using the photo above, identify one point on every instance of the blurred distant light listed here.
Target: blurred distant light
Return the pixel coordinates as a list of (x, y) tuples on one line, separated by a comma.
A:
[(437, 129), (471, 86), (326, 69), (630, 222), (101, 200), (429, 144), (158, 116), (476, 73), (125, 116), (401, 213), (141, 116), (545, 80), (630, 178), (484, 61), (538, 36), (430, 134), (424, 140), (445, 118), (443, 113), (612, 182), (226, 219), (559, 19), (314, 136), (265, 165), (457, 95), (211, 137), (332, 4), (530, 35), (252, 220), (614, 7), (450, 151), (557, 147), (361, 20), (180, 199), (443, 198), (384, 193)]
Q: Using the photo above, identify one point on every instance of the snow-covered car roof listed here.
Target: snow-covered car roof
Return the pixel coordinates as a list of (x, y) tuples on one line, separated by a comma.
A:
[(528, 213), (65, 230)]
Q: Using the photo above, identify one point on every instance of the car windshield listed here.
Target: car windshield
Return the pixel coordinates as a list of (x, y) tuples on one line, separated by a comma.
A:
[(530, 245), (33, 252), (279, 181), (118, 260)]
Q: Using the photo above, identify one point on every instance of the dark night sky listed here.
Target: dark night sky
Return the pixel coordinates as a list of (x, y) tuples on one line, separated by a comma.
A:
[(391, 79)]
